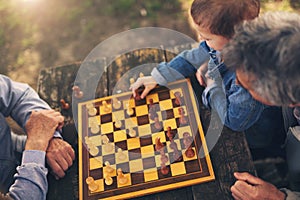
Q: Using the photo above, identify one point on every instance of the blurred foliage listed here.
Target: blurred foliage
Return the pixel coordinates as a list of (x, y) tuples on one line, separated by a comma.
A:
[(43, 33)]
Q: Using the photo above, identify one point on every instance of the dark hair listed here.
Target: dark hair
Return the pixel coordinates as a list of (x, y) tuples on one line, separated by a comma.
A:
[(220, 16), (268, 48)]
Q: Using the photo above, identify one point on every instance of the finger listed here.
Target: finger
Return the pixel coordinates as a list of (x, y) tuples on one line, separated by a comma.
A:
[(237, 192), (56, 169), (245, 176), (145, 92), (236, 197), (71, 153)]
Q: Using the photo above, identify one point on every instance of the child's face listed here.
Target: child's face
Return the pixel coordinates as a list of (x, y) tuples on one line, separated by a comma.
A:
[(217, 42)]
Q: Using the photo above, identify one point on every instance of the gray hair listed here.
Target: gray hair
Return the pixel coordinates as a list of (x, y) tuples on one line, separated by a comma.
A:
[(268, 47)]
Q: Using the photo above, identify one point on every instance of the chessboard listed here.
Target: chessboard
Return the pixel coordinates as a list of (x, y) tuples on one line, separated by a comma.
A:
[(131, 147)]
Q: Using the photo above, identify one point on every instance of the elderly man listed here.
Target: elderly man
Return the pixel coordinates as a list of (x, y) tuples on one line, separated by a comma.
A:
[(265, 53)]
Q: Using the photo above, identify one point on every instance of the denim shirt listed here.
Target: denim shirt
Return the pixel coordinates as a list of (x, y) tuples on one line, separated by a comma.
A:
[(234, 105), (17, 100)]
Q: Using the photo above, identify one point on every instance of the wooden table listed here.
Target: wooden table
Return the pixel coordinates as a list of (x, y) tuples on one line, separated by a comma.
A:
[(228, 155)]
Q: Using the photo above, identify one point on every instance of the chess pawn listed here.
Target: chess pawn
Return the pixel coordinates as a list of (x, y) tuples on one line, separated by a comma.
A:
[(177, 98), (163, 158), (64, 105), (157, 124), (164, 169), (77, 92), (108, 179), (141, 75), (106, 107), (118, 123), (92, 111), (108, 167), (93, 149), (131, 81), (95, 129), (190, 153), (170, 135), (92, 185), (182, 118), (121, 155), (116, 103), (129, 110), (122, 179), (131, 132)]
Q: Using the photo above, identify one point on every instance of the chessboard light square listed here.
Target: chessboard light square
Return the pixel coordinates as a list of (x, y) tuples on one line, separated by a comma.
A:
[(182, 130), (107, 128), (144, 130), (105, 110), (169, 148), (176, 111), (125, 153), (141, 110), (150, 174), (147, 151), (178, 168), (136, 165), (100, 184), (95, 140), (95, 120), (118, 115), (166, 104), (120, 135), (108, 148), (96, 162), (172, 92), (193, 158), (112, 172), (128, 182), (161, 135), (152, 96), (133, 143), (130, 122), (171, 123)]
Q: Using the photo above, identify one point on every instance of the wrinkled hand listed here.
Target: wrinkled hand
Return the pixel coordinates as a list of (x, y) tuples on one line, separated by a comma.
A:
[(40, 128), (60, 156), (200, 74), (248, 187), (147, 81)]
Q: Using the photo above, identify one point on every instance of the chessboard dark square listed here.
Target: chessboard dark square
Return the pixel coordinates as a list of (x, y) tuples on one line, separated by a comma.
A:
[(134, 154), (106, 118), (149, 163), (143, 120)]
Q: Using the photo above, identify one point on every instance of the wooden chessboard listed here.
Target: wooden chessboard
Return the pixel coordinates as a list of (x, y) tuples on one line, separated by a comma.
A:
[(136, 156)]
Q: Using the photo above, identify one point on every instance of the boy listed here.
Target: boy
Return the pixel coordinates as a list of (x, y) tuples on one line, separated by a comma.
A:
[(214, 21)]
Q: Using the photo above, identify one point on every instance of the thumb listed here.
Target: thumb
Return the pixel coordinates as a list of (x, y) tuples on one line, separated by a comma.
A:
[(245, 176), (145, 92)]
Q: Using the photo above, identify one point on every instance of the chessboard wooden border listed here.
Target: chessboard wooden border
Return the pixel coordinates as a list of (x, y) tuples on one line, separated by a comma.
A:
[(162, 188)]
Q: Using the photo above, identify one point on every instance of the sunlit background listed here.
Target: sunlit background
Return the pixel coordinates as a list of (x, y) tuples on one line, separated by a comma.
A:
[(35, 34)]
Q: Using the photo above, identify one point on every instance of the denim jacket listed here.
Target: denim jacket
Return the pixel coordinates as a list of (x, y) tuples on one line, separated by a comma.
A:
[(234, 105)]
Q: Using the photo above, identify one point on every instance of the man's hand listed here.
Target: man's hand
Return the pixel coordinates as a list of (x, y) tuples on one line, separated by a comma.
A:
[(40, 128), (147, 81), (60, 156), (248, 187)]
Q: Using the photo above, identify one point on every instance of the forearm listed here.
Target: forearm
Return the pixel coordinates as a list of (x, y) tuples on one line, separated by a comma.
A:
[(31, 178)]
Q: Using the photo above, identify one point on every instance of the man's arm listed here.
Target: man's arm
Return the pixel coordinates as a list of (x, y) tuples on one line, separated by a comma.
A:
[(17, 100), (31, 177)]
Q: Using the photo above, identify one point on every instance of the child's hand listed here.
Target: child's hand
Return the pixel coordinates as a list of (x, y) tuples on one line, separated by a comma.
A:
[(147, 81), (200, 74)]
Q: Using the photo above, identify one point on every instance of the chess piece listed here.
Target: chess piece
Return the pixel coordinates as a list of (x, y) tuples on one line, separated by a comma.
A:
[(95, 128), (129, 110), (152, 110), (122, 179), (157, 124), (176, 154), (105, 139), (92, 111), (64, 105), (118, 123), (92, 185), (187, 141), (182, 118), (141, 75), (116, 103), (189, 152), (131, 81), (77, 92), (108, 167), (164, 169), (131, 132), (93, 149), (158, 144), (170, 135), (107, 146), (163, 158), (106, 107), (177, 98), (121, 155), (108, 179)]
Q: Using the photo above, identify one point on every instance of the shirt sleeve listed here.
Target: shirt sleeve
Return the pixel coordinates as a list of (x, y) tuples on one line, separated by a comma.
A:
[(234, 105), (290, 195), (18, 100), (183, 65), (31, 177)]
